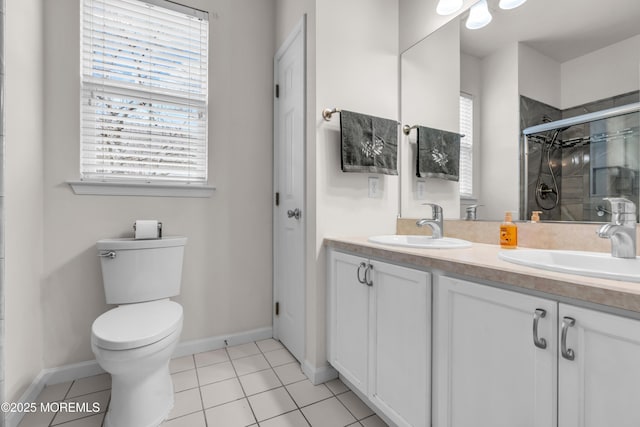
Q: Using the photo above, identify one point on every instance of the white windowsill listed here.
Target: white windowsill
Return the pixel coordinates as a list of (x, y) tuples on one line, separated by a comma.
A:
[(102, 188)]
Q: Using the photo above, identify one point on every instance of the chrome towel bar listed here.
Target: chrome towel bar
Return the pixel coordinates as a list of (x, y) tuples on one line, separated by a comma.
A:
[(406, 129), (328, 112)]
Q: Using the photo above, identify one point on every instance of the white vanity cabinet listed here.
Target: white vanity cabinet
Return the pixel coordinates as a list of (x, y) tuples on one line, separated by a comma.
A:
[(601, 385), (349, 319), (490, 367), (487, 369), (379, 334)]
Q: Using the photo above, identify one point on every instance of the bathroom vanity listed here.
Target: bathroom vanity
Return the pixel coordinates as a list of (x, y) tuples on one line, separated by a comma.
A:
[(461, 338)]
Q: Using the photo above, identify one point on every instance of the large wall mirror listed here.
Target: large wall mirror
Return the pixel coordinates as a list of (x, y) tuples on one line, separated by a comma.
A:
[(544, 61)]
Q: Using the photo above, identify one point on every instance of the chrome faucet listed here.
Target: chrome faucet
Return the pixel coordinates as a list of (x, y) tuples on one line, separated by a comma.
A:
[(472, 212), (435, 223), (622, 228)]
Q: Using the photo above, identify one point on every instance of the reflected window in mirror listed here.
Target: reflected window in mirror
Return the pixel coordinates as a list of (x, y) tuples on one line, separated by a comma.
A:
[(466, 146)]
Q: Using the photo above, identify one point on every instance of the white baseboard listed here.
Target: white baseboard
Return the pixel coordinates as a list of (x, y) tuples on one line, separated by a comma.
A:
[(215, 343), (319, 375), (89, 368)]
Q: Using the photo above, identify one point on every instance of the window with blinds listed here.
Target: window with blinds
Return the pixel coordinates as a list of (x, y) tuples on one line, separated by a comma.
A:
[(466, 146), (144, 92)]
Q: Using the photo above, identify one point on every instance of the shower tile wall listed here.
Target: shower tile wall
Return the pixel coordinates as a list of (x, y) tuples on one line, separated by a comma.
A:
[(574, 163), (532, 113)]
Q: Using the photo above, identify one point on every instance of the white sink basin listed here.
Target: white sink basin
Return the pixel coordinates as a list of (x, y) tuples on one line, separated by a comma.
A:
[(426, 242), (592, 264)]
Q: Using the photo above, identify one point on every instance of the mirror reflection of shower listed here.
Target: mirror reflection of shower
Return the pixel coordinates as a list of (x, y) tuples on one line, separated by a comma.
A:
[(547, 196), (574, 158)]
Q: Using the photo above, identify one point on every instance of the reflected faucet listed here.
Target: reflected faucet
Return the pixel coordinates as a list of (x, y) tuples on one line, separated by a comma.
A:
[(622, 228), (472, 212), (435, 223)]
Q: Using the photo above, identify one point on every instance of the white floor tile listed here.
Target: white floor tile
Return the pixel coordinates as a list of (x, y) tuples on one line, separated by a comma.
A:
[(355, 405), (185, 402), (192, 420), (221, 392), (336, 386), (213, 373), (184, 380), (269, 345), (37, 419), (100, 398), (232, 414), (290, 419), (290, 373), (92, 421), (181, 364), (90, 385), (248, 365), (211, 357), (221, 379), (305, 393), (243, 350), (328, 413), (373, 421), (271, 403), (258, 382), (54, 392), (279, 357)]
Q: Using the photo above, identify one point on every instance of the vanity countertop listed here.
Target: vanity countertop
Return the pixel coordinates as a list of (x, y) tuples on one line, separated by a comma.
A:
[(481, 261)]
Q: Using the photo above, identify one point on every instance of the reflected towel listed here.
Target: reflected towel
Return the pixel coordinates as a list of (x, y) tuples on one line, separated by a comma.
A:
[(438, 154), (369, 144)]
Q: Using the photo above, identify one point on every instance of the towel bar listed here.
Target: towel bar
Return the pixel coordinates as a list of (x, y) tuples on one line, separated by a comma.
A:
[(328, 112), (406, 129)]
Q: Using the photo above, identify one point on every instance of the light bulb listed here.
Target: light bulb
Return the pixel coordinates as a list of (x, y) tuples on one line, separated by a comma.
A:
[(447, 7), (479, 16), (511, 4)]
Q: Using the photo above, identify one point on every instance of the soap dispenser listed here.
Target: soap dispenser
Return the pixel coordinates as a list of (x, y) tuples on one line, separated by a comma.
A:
[(508, 233)]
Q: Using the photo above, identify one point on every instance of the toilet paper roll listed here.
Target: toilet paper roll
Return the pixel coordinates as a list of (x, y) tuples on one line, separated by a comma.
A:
[(147, 229)]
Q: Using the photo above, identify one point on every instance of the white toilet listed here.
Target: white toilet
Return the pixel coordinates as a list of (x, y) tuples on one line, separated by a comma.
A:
[(134, 341)]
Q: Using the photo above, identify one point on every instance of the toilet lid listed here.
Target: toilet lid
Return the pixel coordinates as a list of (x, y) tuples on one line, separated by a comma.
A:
[(136, 325)]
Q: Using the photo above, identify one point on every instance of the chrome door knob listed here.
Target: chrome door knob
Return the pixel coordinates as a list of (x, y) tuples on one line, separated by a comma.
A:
[(296, 213)]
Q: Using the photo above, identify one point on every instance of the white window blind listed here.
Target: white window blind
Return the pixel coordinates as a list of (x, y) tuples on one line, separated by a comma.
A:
[(144, 92), (466, 146)]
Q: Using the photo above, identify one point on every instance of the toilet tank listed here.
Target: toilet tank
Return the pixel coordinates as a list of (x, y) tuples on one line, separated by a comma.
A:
[(141, 270)]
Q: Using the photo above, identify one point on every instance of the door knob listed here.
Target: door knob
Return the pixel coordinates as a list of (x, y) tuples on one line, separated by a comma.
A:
[(296, 213)]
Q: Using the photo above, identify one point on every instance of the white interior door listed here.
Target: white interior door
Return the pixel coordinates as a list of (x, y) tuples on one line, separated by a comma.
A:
[(289, 214)]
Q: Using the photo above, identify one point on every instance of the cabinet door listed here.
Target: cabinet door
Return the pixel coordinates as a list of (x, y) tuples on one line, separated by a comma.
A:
[(401, 344), (601, 385), (487, 370), (348, 319)]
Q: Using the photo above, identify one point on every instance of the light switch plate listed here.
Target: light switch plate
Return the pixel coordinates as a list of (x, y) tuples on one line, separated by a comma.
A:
[(374, 187), (421, 190)]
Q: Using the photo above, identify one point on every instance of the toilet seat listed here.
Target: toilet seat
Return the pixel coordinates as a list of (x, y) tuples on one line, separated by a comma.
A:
[(136, 325)]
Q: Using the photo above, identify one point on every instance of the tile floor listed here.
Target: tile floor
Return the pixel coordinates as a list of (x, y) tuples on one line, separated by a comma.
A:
[(255, 384)]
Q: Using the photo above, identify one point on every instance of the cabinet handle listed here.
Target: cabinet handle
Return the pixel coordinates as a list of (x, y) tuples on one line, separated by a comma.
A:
[(537, 315), (568, 354), (367, 276), (363, 281)]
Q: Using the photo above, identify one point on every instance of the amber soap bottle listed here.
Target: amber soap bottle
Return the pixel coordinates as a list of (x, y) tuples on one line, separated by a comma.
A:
[(508, 233)]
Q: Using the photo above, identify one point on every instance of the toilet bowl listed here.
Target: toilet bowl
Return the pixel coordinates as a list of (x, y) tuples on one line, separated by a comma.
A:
[(134, 343)]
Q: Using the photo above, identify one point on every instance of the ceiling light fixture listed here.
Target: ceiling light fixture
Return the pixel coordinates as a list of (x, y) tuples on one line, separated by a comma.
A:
[(447, 7), (479, 16), (510, 4)]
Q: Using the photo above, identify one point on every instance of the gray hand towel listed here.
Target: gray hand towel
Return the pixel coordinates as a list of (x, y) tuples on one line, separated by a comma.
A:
[(438, 154), (369, 144)]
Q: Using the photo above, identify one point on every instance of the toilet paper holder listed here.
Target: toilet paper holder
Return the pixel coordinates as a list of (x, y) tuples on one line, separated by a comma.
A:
[(159, 229)]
